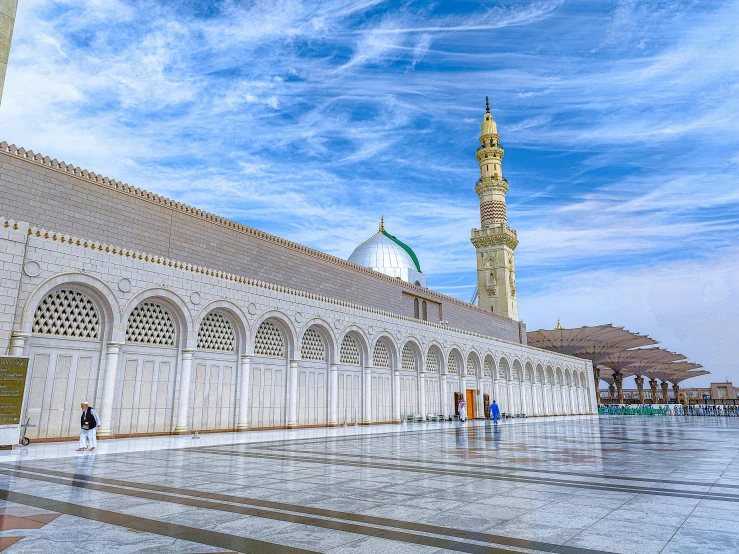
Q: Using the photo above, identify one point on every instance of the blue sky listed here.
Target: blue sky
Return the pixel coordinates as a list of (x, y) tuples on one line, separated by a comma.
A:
[(311, 119)]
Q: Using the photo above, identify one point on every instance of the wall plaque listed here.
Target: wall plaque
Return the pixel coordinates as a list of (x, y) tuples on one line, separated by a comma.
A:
[(13, 372)]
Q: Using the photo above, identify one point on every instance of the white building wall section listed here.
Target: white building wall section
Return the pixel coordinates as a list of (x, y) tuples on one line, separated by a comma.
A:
[(137, 385)]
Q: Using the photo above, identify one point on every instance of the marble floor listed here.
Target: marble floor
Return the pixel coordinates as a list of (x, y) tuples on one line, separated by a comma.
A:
[(571, 485)]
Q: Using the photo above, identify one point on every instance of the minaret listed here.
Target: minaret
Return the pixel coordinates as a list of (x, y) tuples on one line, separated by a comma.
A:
[(494, 240)]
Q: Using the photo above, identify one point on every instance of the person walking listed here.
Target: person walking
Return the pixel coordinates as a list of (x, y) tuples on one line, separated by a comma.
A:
[(462, 409), (89, 423), (494, 412)]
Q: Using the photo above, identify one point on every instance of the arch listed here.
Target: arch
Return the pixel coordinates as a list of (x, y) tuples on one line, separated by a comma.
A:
[(434, 350), (472, 364), (324, 330), (517, 371), (234, 314), (424, 311), (549, 376), (70, 313), (504, 368), (558, 376), (539, 374), (381, 356), (283, 323), (104, 299), (173, 304), (313, 345), (362, 340), (454, 362), (410, 356), (488, 366), (568, 377), (528, 372), (416, 309)]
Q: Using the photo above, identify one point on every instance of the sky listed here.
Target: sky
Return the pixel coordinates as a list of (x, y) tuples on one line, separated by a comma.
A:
[(310, 120)]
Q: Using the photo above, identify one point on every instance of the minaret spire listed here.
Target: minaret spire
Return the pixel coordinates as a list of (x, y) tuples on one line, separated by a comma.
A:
[(494, 241), (382, 224)]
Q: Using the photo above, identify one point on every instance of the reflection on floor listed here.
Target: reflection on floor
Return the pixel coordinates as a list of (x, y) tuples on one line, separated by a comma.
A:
[(583, 485)]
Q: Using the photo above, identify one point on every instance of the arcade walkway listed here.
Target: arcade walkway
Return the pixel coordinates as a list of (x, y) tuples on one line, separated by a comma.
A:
[(569, 485)]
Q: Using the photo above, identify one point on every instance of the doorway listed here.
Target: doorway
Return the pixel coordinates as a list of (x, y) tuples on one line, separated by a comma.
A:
[(470, 404)]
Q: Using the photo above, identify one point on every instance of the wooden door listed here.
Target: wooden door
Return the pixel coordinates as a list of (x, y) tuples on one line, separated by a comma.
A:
[(470, 404), (486, 404)]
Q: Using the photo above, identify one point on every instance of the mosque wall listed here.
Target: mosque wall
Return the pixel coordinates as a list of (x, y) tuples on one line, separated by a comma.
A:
[(59, 196), (162, 346)]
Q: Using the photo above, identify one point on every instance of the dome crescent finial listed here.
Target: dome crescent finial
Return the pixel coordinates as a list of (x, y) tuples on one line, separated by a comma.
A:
[(382, 224), (487, 105)]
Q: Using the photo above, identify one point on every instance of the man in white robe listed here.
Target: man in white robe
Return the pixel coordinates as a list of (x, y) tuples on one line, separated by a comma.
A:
[(89, 423)]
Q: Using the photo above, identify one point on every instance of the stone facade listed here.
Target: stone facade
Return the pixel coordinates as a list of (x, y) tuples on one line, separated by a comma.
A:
[(162, 346), (63, 197)]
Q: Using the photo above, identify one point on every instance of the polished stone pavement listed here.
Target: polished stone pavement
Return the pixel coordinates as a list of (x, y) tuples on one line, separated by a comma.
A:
[(574, 485)]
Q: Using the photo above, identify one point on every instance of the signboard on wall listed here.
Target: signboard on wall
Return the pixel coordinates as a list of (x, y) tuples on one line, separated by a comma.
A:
[(13, 370)]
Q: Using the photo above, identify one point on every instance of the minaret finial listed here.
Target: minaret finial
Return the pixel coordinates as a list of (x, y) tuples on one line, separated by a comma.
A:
[(382, 224), (559, 324), (487, 105)]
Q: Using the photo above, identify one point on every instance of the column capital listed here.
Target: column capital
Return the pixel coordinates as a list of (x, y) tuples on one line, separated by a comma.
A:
[(245, 357)]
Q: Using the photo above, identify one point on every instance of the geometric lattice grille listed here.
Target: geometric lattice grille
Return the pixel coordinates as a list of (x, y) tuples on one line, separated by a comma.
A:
[(452, 366), (471, 365), (312, 347), (432, 363), (558, 377), (349, 353), (67, 313), (527, 374), (538, 375), (514, 372), (548, 376), (501, 370), (216, 333), (487, 370), (269, 341), (150, 323), (380, 356)]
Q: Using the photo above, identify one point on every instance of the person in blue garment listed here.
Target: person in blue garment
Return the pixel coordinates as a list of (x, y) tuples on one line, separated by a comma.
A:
[(494, 412)]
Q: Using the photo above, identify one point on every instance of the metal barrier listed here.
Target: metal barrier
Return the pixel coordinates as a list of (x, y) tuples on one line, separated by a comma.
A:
[(671, 410)]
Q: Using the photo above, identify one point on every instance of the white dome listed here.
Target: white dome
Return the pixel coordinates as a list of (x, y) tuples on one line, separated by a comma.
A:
[(381, 254), (386, 254)]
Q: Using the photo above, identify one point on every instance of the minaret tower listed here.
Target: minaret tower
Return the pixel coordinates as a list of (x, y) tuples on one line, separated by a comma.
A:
[(494, 240)]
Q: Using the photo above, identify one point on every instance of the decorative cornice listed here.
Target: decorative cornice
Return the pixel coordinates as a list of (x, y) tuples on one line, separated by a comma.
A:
[(496, 235), (495, 151), (491, 184), (124, 188)]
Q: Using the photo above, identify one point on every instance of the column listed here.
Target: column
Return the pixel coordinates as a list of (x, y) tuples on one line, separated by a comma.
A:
[(396, 395), (653, 386), (619, 380), (292, 394), (480, 411), (640, 387), (676, 390), (421, 395), (183, 405), (444, 397), (665, 387), (596, 380), (367, 397), (112, 353), (17, 343), (611, 393), (333, 395), (244, 381)]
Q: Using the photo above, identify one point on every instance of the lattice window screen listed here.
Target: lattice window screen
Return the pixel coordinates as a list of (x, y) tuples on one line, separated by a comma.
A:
[(548, 376), (557, 377), (349, 353), (312, 347), (408, 358), (514, 372), (216, 333), (269, 341), (432, 362), (452, 366), (487, 369), (471, 365), (150, 323), (538, 375), (67, 313), (380, 357), (526, 374), (501, 370)]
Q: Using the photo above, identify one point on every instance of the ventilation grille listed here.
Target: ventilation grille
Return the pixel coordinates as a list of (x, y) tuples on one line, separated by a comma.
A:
[(349, 351), (487, 369), (471, 365), (150, 323), (380, 356), (452, 366), (312, 347), (432, 363), (216, 333), (269, 341), (67, 313)]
